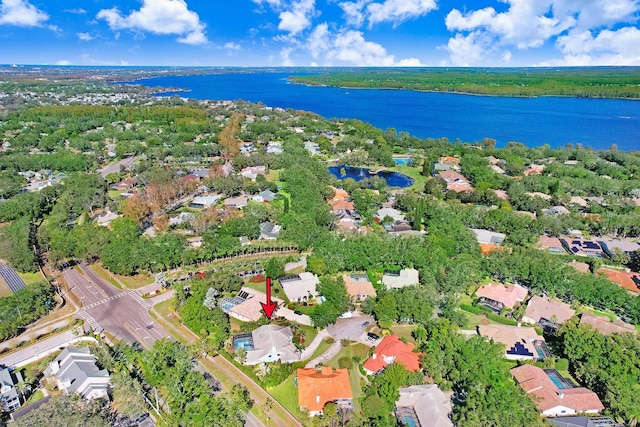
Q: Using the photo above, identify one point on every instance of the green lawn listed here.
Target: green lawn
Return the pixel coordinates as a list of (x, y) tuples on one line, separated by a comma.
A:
[(38, 395), (309, 334), (106, 275), (324, 345), (31, 278), (287, 394), (404, 331), (611, 316), (412, 172)]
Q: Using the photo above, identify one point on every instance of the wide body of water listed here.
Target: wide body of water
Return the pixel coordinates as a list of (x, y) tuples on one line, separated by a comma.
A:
[(393, 179), (596, 123)]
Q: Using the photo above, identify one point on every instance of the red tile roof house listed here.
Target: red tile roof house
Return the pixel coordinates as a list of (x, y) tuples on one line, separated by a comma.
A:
[(551, 400), (391, 350), (317, 387), (628, 280), (455, 181), (498, 296)]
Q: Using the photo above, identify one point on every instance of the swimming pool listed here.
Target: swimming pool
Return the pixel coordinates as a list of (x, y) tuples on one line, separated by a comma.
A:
[(243, 341), (408, 421), (558, 380), (401, 160)]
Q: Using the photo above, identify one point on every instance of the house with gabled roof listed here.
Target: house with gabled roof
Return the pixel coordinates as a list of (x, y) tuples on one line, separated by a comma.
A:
[(555, 395), (392, 350), (9, 397), (628, 280), (521, 342), (358, 286), (455, 181), (394, 279), (300, 287), (236, 202), (550, 244), (547, 313), (319, 386), (75, 371), (606, 326), (246, 305), (266, 344), (424, 405), (497, 296)]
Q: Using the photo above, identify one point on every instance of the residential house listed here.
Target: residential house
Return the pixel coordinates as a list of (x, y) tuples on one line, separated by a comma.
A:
[(556, 210), (394, 279), (274, 147), (392, 213), (313, 148), (9, 395), (269, 231), (606, 326), (578, 201), (300, 287), (555, 395), (247, 148), (246, 306), (584, 422), (551, 245), (628, 280), (626, 246), (358, 286), (497, 296), (106, 218), (264, 196), (534, 169), (488, 240), (581, 267), (446, 163), (236, 202), (75, 370), (392, 350), (266, 344), (317, 387), (581, 247), (252, 172), (455, 181), (195, 242), (547, 313), (424, 406), (522, 343), (202, 202), (181, 218), (126, 185)]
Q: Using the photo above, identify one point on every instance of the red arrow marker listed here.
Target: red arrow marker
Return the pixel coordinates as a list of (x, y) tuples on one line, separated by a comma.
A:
[(269, 306)]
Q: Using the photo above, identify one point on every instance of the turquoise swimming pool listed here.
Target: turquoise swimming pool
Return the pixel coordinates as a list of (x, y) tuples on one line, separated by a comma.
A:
[(401, 160)]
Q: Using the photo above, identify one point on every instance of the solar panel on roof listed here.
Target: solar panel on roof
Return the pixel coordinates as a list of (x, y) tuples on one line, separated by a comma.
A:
[(576, 242), (575, 250), (289, 278), (519, 350), (243, 295)]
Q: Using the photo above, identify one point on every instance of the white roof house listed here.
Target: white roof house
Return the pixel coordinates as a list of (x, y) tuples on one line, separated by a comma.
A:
[(426, 404), (405, 277), (270, 344), (75, 370), (395, 214), (487, 236), (204, 201), (300, 287)]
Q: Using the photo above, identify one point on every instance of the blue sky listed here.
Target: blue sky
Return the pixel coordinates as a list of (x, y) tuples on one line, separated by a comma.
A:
[(321, 32)]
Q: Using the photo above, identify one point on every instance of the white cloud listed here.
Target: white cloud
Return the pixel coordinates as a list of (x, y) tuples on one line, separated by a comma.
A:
[(410, 62), (298, 17), (398, 11), (159, 17), (77, 11), (232, 46), (85, 37), (349, 47), (484, 36), (284, 56), (63, 62), (395, 11), (619, 47), (21, 13)]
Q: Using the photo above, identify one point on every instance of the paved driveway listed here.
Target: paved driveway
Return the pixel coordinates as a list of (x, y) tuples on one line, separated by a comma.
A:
[(350, 328)]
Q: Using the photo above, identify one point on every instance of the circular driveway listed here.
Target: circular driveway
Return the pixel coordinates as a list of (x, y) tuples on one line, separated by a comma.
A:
[(350, 328)]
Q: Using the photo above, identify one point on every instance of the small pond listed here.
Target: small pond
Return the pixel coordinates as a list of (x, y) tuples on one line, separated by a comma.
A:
[(393, 179)]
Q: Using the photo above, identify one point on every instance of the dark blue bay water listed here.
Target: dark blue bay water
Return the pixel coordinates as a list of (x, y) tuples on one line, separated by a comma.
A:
[(596, 123)]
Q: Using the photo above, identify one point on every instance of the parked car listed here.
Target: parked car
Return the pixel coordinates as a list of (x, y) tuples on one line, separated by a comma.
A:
[(372, 337), (365, 324), (298, 312)]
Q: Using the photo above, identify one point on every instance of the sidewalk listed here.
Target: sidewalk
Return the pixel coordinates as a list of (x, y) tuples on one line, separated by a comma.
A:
[(326, 356)]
